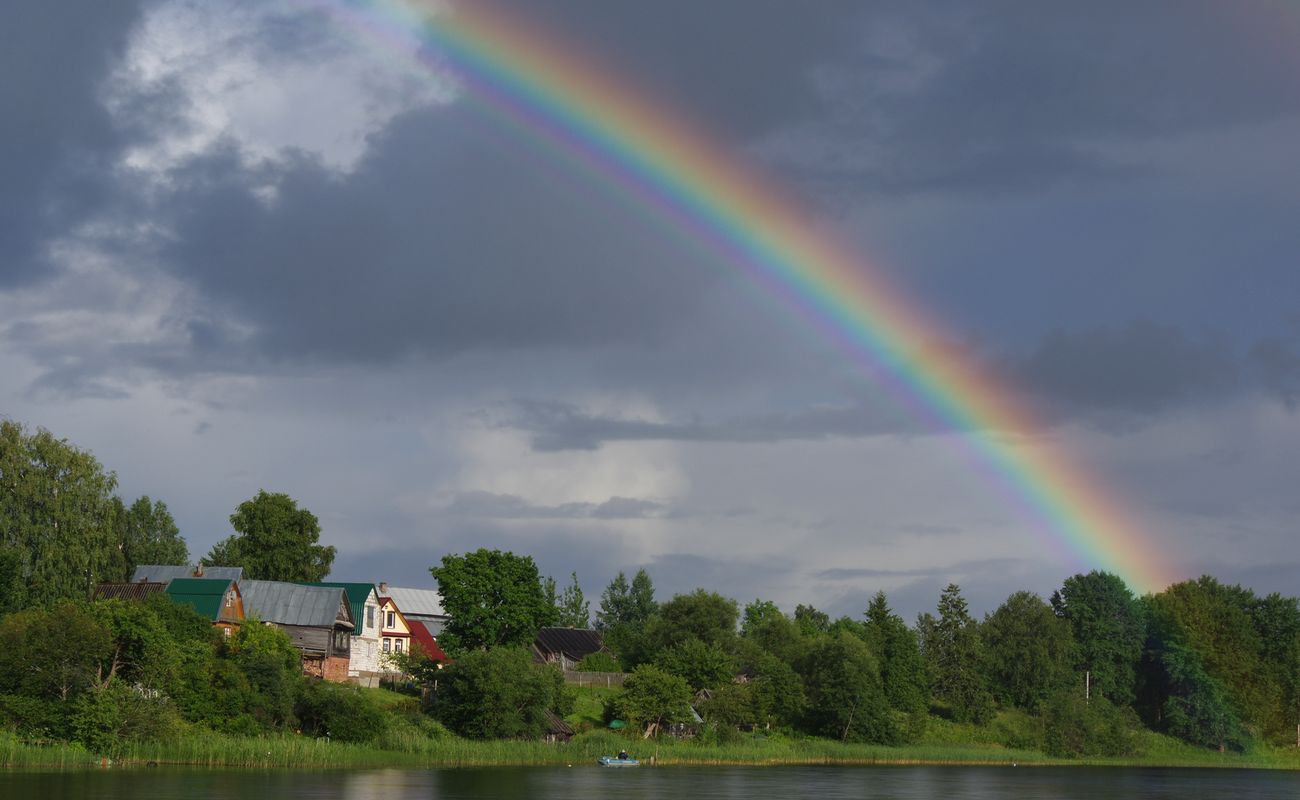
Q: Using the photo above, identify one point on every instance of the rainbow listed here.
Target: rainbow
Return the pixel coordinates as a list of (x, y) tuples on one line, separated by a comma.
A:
[(647, 150)]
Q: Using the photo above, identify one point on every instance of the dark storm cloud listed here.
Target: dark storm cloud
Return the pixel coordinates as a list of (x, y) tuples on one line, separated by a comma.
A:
[(1013, 96), (1142, 368), (446, 238), (737, 68), (56, 138)]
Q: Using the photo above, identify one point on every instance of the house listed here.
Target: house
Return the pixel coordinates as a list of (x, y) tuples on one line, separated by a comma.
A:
[(423, 605), (318, 620), (565, 647), (364, 667), (162, 573), (217, 599), (394, 631)]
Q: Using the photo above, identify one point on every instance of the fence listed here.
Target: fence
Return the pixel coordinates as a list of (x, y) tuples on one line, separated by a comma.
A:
[(607, 679)]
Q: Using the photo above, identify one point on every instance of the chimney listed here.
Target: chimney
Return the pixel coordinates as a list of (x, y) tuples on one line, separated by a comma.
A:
[(198, 570), (383, 588)]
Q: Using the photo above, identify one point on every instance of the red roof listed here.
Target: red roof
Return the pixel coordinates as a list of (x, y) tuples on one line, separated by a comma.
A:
[(427, 642)]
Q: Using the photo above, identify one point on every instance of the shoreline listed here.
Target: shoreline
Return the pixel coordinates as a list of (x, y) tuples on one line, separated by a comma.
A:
[(299, 753)]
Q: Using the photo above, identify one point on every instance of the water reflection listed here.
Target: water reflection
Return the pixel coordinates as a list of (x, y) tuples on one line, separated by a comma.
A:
[(663, 783)]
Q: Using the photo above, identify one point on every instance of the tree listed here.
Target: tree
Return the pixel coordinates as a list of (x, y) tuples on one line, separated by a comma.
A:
[(758, 614), (574, 610), (56, 515), (811, 622), (951, 647), (704, 666), (702, 615), (902, 670), (1028, 651), (147, 534), (1109, 629), (845, 699), (493, 598), (498, 694), (275, 541), (624, 611), (623, 604), (652, 698), (775, 690)]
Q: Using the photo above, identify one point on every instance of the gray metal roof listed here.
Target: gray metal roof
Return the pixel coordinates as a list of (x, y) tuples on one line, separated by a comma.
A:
[(163, 573), (417, 602), (295, 604)]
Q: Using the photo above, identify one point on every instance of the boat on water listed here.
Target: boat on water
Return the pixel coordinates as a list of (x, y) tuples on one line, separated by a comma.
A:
[(612, 761)]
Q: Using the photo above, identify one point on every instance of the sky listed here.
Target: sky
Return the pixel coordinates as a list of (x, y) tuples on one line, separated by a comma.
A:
[(245, 246)]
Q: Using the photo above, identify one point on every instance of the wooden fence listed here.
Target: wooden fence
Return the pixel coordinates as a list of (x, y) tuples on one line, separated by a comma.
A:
[(607, 679)]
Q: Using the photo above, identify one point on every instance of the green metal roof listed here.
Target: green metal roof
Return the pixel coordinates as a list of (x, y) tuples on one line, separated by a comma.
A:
[(357, 594), (204, 595)]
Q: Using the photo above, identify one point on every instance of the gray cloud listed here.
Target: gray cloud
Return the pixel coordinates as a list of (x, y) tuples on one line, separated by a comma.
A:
[(57, 139), (375, 265), (490, 505)]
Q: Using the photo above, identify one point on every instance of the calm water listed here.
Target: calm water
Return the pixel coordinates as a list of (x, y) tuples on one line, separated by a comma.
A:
[(669, 783)]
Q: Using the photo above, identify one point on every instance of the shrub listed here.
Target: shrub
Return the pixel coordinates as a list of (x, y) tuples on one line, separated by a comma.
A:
[(1074, 727), (599, 662), (339, 712)]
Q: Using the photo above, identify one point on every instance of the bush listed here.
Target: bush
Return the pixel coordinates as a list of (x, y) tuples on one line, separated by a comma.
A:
[(499, 694), (1074, 727), (121, 713), (339, 712)]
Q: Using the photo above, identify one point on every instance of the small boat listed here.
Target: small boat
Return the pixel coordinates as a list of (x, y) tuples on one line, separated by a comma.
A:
[(611, 761)]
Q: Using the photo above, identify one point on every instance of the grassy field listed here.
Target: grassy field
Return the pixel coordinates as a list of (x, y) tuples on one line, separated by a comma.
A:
[(415, 741)]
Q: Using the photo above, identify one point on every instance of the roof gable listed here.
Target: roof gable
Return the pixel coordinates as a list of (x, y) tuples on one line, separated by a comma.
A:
[(358, 594)]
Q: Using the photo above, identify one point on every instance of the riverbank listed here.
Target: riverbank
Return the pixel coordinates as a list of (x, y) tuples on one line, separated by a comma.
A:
[(299, 752)]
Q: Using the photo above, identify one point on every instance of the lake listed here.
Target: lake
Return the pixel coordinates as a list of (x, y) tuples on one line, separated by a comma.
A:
[(582, 782)]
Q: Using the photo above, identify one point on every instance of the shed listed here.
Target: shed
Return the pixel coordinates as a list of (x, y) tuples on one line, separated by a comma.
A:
[(566, 646)]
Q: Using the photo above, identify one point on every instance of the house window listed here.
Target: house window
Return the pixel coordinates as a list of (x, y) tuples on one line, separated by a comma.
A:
[(370, 616), (397, 645), (388, 645), (392, 620), (226, 632), (230, 599)]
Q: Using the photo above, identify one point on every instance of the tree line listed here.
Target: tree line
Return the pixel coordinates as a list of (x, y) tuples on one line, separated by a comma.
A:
[(1214, 665)]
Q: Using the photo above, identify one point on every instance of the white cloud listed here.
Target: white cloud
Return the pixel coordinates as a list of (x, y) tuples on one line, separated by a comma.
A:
[(233, 83)]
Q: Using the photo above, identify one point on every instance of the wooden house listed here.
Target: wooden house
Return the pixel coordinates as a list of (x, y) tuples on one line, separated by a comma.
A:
[(364, 667), (318, 620), (217, 599)]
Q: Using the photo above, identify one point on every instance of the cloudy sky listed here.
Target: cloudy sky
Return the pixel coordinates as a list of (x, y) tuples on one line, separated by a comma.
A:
[(244, 247)]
